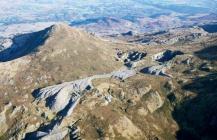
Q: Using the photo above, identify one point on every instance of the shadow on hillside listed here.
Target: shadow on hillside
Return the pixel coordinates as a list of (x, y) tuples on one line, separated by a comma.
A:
[(209, 53), (197, 117), (24, 44)]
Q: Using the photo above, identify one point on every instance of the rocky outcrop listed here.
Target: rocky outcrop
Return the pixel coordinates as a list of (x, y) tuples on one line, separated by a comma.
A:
[(159, 70), (70, 132), (3, 119), (153, 101), (63, 98), (127, 129), (5, 43), (123, 74), (58, 97), (129, 33), (164, 63), (170, 37), (166, 55), (8, 118), (130, 58)]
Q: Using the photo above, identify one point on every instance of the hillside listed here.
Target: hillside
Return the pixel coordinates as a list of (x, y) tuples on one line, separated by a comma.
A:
[(54, 55), (63, 83)]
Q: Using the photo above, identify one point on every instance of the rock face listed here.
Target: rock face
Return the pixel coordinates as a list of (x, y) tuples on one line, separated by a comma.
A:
[(164, 63), (131, 57), (59, 97), (168, 37), (127, 129), (166, 55), (8, 118), (206, 67), (57, 134), (5, 43), (3, 119), (157, 70), (66, 95), (153, 101), (129, 33), (63, 98), (123, 74)]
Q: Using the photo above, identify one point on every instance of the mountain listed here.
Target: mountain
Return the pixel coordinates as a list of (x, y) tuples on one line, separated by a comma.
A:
[(102, 69), (64, 83), (55, 54)]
